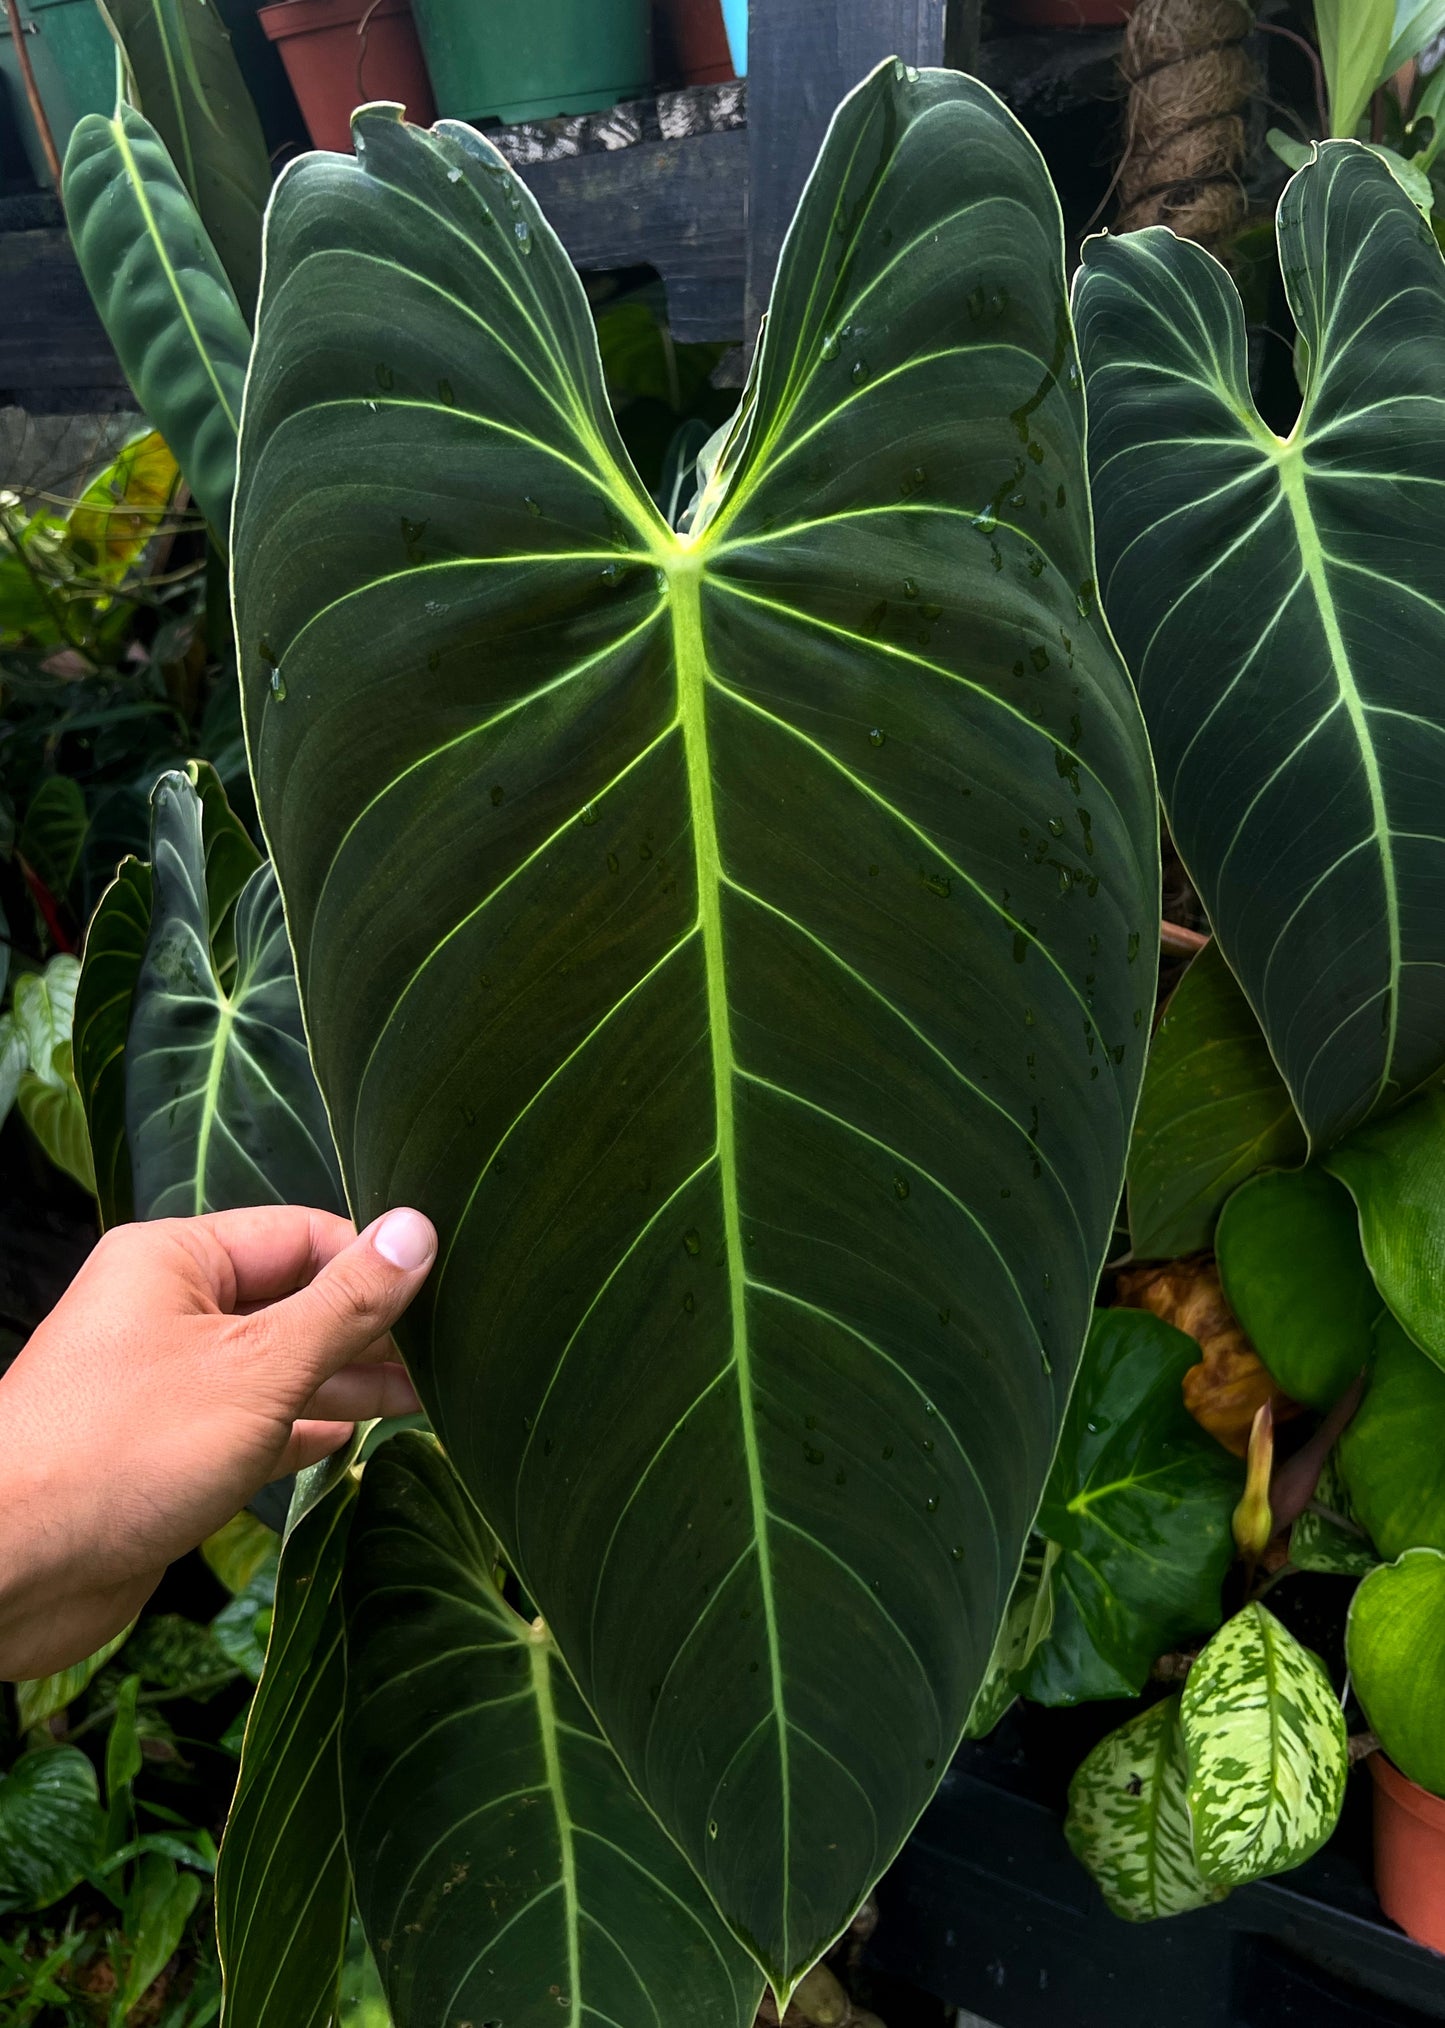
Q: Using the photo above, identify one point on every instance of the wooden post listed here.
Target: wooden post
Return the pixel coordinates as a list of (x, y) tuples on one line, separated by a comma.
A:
[(32, 92), (803, 56)]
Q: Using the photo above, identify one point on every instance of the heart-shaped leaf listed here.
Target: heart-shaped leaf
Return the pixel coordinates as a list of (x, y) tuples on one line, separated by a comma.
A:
[(1213, 1110), (505, 1867), (1267, 1750), (1128, 1819), (1272, 598), (1395, 1171), (162, 296), (221, 1106), (1138, 1502), (1295, 1275), (665, 931), (1395, 1645), (1391, 1455)]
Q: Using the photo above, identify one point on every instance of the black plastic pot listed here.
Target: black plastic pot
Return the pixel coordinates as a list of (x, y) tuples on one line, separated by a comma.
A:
[(988, 1909)]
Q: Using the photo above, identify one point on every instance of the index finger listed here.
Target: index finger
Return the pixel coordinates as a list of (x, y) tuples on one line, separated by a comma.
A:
[(272, 1249)]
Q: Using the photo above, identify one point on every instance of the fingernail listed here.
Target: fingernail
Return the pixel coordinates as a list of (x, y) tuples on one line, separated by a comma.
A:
[(406, 1239)]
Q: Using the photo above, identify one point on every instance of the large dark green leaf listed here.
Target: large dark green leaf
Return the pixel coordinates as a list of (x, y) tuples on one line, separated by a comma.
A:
[(221, 1107), (190, 87), (114, 946), (1391, 1455), (1138, 1503), (283, 1884), (505, 1867), (1213, 1110), (1274, 600), (1294, 1272), (162, 296), (739, 944)]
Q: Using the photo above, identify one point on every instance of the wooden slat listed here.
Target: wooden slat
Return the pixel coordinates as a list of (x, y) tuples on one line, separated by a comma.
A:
[(54, 354), (803, 56)]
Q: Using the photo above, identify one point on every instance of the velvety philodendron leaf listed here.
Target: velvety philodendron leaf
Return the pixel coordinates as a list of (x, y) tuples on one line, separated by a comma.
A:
[(1395, 1171), (1265, 1739), (53, 833), (666, 931), (1293, 1270), (283, 1884), (1391, 1455), (162, 296), (1213, 1110), (1128, 1819), (505, 1867), (1395, 1646), (1138, 1503), (1271, 597), (221, 1105), (190, 87)]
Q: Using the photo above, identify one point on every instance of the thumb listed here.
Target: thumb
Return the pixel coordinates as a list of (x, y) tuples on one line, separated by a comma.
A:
[(352, 1303)]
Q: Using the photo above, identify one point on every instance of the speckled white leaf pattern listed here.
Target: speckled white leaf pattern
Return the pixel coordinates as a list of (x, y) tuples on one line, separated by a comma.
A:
[(1128, 1819), (1265, 1739)]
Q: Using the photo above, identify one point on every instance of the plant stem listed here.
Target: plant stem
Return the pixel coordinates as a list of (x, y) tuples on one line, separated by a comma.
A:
[(1173, 936), (32, 92), (200, 1688)]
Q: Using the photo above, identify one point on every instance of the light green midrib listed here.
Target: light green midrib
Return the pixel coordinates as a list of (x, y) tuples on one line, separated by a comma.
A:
[(540, 1655), (148, 218), (1289, 462), (685, 572), (211, 1096)]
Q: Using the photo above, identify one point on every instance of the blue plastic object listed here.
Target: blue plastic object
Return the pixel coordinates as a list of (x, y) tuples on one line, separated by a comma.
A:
[(735, 21)]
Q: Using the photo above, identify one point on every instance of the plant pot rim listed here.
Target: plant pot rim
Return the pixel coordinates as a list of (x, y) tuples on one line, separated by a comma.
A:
[(282, 18), (1430, 1809)]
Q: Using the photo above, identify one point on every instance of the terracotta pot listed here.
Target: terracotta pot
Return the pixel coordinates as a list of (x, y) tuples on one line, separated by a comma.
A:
[(699, 39), (1063, 13), (1409, 1853), (339, 54)]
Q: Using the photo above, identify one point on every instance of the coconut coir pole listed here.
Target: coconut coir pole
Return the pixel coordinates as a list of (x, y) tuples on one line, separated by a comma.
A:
[(1189, 82), (32, 93)]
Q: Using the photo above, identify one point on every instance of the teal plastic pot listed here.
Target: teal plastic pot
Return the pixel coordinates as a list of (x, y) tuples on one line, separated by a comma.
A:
[(515, 60), (73, 57)]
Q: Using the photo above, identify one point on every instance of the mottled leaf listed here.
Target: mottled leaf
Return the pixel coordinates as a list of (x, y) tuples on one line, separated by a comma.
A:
[(1128, 1819), (51, 1825)]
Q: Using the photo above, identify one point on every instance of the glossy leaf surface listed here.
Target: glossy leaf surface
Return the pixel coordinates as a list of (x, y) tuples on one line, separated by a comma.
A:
[(1138, 1502), (1025, 1627), (665, 931), (1265, 1740), (1295, 1275), (1391, 1455), (1395, 1645), (1213, 1110), (43, 1013), (162, 296), (1271, 598), (505, 1867), (50, 1827), (115, 941), (190, 87), (221, 1105), (1128, 1819), (1395, 1171), (283, 1884)]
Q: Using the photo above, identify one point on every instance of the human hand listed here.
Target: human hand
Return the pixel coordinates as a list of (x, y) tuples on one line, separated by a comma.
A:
[(191, 1361)]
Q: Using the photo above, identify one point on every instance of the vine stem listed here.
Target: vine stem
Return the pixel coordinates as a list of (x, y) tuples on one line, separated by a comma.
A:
[(1173, 936), (32, 92)]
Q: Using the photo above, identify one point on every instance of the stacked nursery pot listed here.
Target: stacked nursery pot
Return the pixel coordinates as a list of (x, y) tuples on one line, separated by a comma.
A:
[(707, 38), (340, 54), (1063, 13), (73, 58), (511, 60)]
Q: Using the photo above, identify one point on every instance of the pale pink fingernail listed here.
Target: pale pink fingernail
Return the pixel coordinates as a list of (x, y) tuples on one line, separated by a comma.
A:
[(406, 1239)]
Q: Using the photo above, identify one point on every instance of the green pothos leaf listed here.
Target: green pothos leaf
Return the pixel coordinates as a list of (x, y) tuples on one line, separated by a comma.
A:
[(1128, 1819), (1267, 1750), (1395, 1644), (505, 1867), (1272, 596), (665, 932)]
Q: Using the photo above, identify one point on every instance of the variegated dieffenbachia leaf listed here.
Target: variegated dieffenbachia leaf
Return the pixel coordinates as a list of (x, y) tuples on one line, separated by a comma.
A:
[(1128, 1819), (1266, 1745), (1026, 1623), (1327, 1536)]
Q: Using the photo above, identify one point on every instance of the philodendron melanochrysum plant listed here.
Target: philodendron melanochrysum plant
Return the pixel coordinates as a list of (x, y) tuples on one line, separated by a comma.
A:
[(740, 944)]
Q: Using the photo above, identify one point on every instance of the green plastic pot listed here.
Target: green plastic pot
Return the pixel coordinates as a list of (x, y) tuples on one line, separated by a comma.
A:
[(73, 57), (515, 60)]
